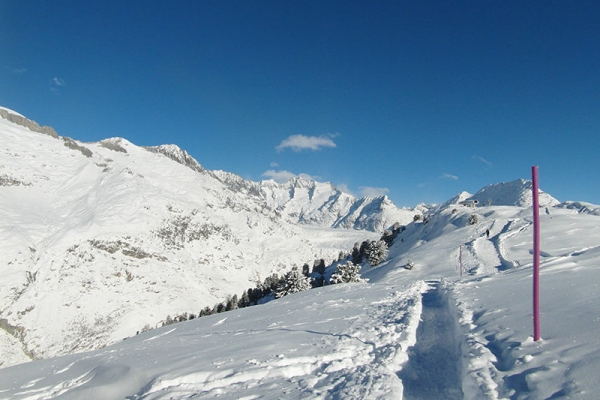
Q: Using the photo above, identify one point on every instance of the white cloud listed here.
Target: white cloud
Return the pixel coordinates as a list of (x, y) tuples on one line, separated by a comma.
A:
[(284, 176), (344, 188), (279, 176), (58, 81), (448, 176), (302, 142), (274, 165), (309, 177), (56, 84), (373, 191), (483, 160)]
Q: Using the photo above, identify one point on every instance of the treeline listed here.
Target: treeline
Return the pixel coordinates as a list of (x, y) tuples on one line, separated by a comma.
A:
[(296, 280)]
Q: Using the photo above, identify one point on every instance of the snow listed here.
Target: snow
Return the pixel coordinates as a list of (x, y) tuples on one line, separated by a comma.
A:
[(102, 246), (425, 332), (8, 110), (416, 334), (517, 193)]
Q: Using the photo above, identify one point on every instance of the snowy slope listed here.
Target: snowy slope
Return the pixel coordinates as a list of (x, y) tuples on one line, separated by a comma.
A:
[(101, 239), (515, 193), (416, 334), (94, 247)]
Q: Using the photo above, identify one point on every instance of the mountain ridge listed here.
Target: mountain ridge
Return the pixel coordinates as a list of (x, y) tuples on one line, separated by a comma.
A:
[(143, 232), (113, 236)]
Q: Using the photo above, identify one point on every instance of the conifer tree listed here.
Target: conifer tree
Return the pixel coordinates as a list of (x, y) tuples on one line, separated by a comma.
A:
[(356, 256), (232, 303), (377, 252), (319, 267), (306, 270), (245, 300), (292, 282), (347, 273)]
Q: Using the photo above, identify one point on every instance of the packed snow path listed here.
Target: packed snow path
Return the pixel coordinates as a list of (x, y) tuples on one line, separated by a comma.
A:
[(433, 367)]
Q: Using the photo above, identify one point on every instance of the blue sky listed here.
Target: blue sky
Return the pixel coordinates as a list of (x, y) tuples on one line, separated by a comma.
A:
[(418, 100)]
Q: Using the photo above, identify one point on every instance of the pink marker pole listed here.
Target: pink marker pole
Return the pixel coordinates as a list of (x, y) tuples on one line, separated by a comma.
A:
[(536, 254)]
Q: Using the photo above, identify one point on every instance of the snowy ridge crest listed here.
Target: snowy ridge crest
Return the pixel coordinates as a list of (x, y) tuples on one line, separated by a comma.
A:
[(516, 193), (33, 126), (308, 202), (177, 154)]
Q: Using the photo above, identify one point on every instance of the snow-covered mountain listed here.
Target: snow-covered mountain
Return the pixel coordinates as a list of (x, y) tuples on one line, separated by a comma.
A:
[(458, 325), (308, 202), (99, 239), (102, 239), (515, 193)]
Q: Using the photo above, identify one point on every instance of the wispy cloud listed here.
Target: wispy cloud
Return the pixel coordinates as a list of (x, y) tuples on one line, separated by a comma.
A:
[(373, 191), (303, 142), (284, 176), (344, 188), (279, 176), (56, 84), (18, 71), (483, 160), (449, 176), (58, 81)]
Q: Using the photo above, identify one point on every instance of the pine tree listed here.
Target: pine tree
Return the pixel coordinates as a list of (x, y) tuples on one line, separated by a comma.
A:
[(245, 300), (232, 303), (205, 311), (364, 250), (388, 237), (377, 252), (306, 270), (319, 267), (270, 284), (347, 273), (292, 282), (356, 256)]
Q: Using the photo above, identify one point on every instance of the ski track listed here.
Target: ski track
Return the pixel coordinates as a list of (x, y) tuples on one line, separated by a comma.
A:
[(433, 370), (508, 231)]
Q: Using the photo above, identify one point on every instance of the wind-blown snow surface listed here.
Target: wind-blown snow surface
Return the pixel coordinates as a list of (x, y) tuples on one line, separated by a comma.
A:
[(422, 333), (99, 240)]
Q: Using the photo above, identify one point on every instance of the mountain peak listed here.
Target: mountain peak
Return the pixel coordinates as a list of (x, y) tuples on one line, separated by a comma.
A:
[(177, 154), (514, 193)]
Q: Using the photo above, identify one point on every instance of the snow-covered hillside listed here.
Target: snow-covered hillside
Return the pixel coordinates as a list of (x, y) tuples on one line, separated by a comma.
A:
[(99, 239), (516, 193), (424, 333), (102, 239)]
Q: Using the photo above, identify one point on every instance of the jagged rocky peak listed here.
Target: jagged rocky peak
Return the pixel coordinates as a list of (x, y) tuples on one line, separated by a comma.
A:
[(115, 144), (177, 154), (460, 198), (236, 183), (33, 126), (300, 182)]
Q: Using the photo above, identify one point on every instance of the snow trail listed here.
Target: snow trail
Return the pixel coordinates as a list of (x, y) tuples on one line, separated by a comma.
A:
[(510, 229), (433, 368)]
